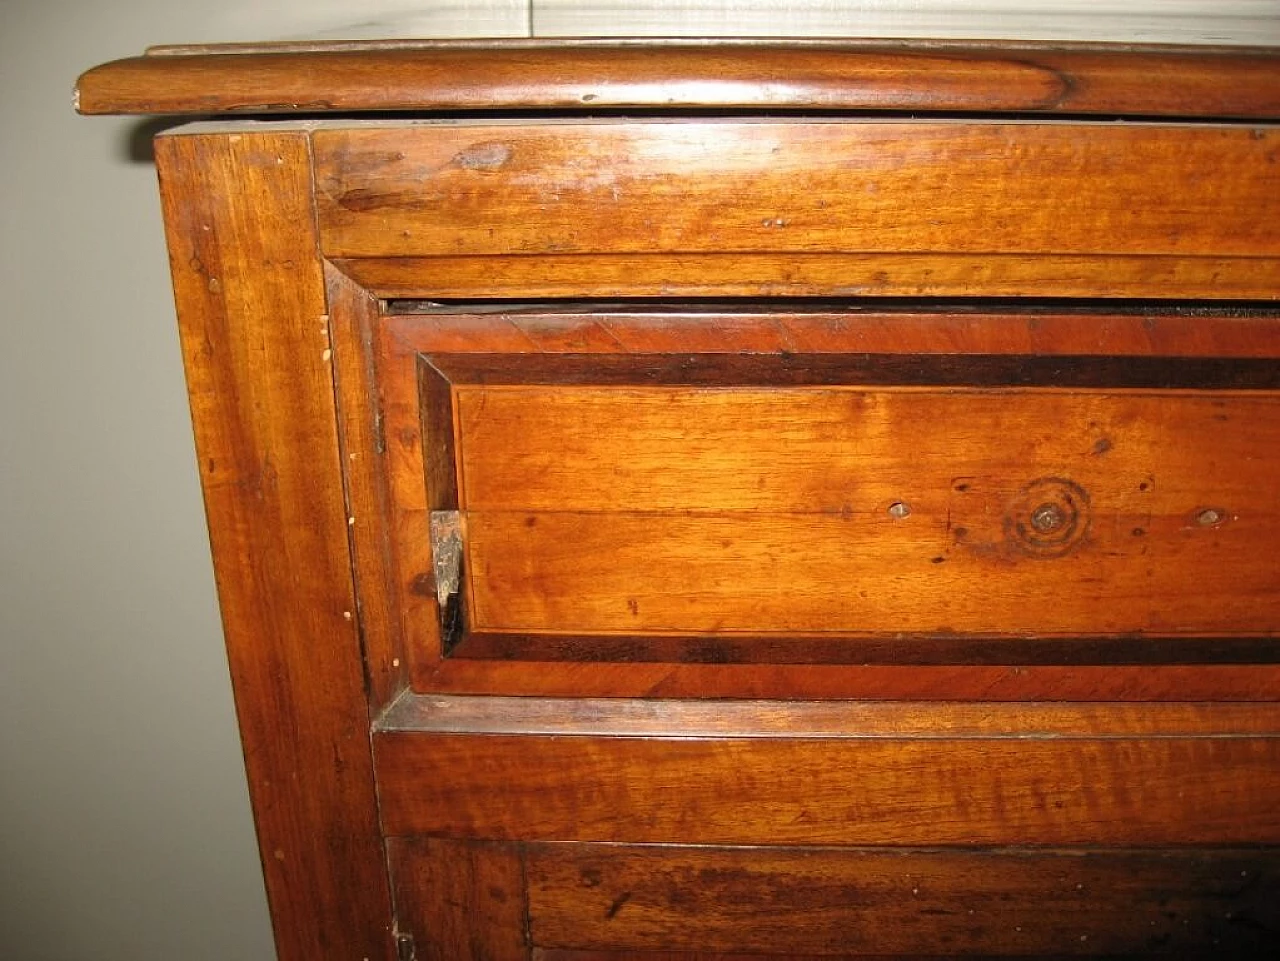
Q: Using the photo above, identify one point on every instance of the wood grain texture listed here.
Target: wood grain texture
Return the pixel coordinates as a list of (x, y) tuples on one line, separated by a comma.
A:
[(1004, 790), (954, 720), (905, 903), (250, 295), (1028, 331), (352, 324), (460, 900), (825, 274), (758, 510), (751, 186), (534, 336), (841, 75), (985, 682)]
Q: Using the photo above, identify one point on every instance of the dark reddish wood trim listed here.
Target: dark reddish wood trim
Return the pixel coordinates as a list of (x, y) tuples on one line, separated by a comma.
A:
[(884, 76), (252, 314), (862, 369), (848, 649), (824, 327)]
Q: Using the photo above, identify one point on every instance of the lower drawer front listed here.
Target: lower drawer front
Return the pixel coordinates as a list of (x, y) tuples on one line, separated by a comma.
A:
[(575, 902)]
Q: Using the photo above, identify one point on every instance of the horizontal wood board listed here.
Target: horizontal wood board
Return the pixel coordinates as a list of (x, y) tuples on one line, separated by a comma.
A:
[(631, 510), (958, 187), (778, 791), (904, 903), (845, 74)]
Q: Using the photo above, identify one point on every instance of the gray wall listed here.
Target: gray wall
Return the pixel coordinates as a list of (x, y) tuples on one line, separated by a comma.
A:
[(124, 824)]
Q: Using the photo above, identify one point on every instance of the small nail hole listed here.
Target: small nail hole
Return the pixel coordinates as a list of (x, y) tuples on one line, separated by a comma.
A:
[(899, 509)]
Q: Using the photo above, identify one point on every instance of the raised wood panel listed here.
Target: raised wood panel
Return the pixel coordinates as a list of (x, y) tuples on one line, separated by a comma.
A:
[(905, 903), (743, 790), (808, 510), (522, 346), (250, 294)]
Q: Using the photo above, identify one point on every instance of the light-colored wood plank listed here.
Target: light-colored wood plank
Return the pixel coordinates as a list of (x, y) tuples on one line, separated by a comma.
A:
[(853, 450), (759, 186), (896, 511)]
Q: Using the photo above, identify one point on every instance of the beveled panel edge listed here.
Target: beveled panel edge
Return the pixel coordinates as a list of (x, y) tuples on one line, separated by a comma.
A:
[(683, 719), (938, 76)]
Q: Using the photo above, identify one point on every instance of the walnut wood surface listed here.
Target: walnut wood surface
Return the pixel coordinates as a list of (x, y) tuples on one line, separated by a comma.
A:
[(330, 423), (682, 509), (252, 314), (460, 900), (904, 903), (518, 343), (1003, 790), (791, 327), (796, 75), (658, 717), (629, 207), (352, 325)]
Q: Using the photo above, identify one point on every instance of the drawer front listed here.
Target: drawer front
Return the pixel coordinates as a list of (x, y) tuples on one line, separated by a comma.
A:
[(729, 207), (900, 511), (589, 902), (573, 488)]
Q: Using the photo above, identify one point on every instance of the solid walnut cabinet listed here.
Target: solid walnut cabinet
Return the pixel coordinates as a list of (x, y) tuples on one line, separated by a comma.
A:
[(712, 501)]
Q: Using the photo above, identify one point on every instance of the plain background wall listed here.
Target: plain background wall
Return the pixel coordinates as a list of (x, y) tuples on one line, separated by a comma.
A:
[(125, 832)]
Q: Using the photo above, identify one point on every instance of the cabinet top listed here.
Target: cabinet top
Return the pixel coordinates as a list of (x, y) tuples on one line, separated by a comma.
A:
[(1019, 78)]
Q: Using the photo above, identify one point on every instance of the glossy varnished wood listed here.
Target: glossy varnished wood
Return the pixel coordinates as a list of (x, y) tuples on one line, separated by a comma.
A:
[(749, 785), (923, 784), (352, 323), (821, 75), (955, 720), (459, 900), (840, 208), (909, 903), (250, 294), (637, 509)]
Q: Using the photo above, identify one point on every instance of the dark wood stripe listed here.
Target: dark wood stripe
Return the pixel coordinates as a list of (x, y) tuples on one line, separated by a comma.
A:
[(845, 649), (819, 369)]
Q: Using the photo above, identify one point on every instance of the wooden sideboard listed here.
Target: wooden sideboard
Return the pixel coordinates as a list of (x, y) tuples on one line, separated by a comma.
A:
[(721, 500)]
